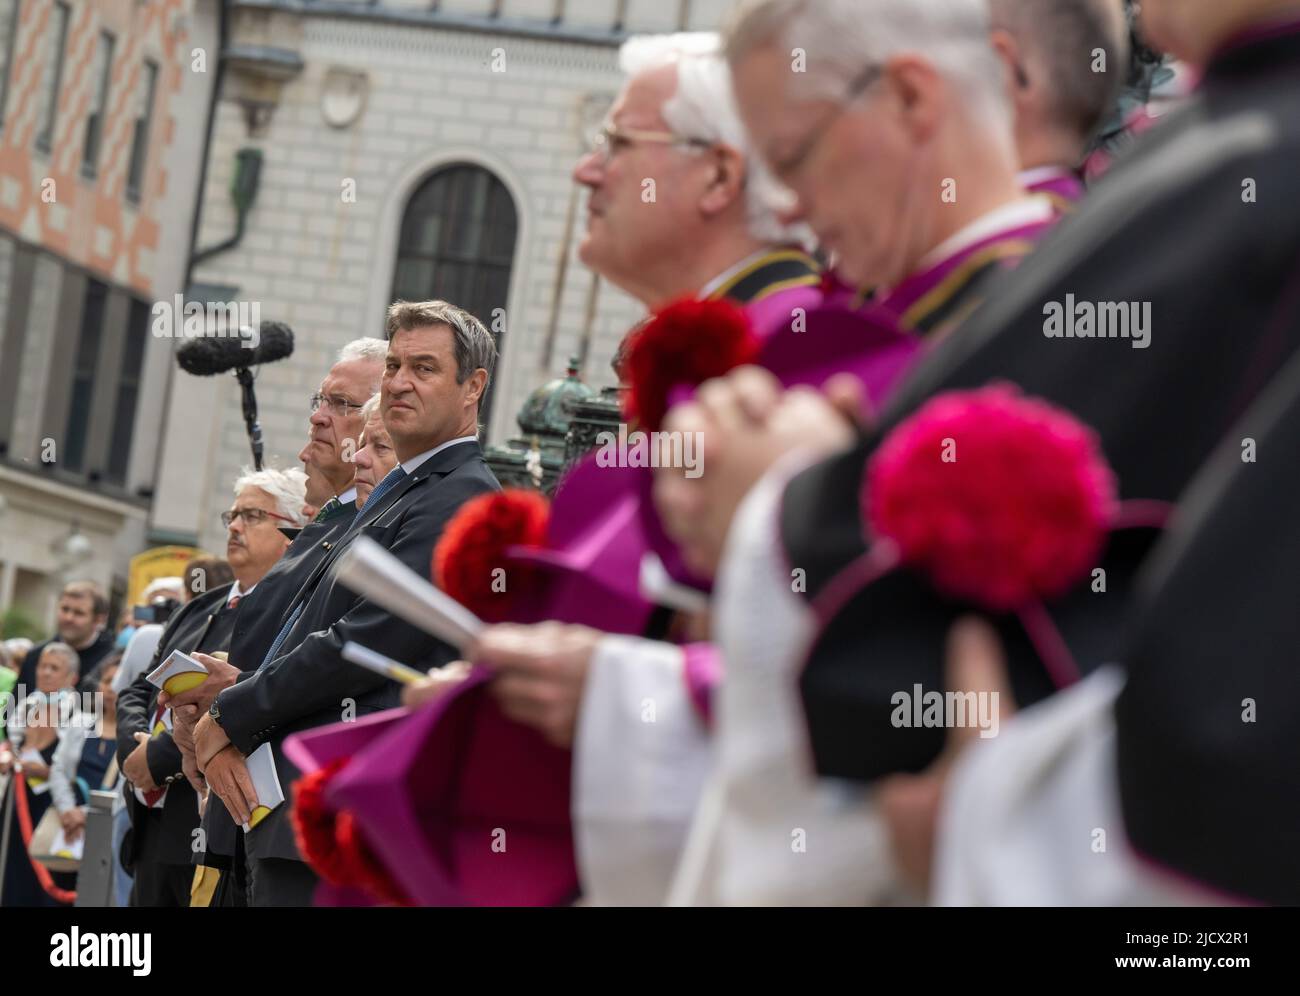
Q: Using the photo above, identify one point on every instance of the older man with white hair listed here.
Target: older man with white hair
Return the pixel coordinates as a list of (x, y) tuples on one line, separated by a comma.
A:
[(164, 809), (678, 205), (335, 427), (376, 458), (890, 120), (1139, 237)]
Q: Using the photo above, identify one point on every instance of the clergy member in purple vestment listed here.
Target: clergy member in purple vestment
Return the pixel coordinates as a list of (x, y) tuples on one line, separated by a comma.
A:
[(713, 231), (899, 144)]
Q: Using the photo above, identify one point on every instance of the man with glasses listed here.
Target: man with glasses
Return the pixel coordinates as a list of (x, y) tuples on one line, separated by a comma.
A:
[(436, 372), (678, 207), (1158, 409), (162, 803), (336, 422), (891, 124), (334, 427)]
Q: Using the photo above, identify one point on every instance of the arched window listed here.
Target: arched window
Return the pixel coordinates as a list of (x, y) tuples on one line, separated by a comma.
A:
[(457, 244)]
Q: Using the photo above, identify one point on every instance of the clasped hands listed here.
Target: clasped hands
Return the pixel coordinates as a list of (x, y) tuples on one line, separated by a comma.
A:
[(209, 759)]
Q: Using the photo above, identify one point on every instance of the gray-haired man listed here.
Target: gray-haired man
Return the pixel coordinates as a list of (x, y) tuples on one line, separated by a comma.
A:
[(437, 368), (336, 424), (163, 809)]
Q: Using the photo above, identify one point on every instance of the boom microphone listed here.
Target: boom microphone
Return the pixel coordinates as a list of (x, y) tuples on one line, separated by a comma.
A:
[(205, 356), (208, 355)]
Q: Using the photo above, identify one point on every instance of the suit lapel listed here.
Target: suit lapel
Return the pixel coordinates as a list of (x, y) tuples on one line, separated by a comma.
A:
[(437, 466)]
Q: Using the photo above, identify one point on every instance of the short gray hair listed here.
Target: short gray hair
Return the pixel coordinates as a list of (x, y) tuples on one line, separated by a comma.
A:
[(368, 348), (842, 38), (475, 347), (370, 407), (70, 656), (287, 488), (1065, 34), (704, 108)]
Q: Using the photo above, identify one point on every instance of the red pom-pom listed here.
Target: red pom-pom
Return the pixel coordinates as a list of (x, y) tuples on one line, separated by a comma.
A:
[(314, 823), (361, 867), (474, 544), (1001, 499), (686, 343)]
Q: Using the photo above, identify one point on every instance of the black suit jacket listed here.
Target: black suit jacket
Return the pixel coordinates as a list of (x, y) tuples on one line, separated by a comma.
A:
[(166, 835), (261, 614), (309, 684)]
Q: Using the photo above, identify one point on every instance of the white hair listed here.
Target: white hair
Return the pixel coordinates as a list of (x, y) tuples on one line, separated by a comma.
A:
[(161, 584), (841, 38), (370, 407), (367, 348), (704, 107), (288, 488)]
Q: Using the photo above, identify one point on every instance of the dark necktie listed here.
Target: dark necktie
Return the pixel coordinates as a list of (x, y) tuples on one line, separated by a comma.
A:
[(328, 510), (394, 477)]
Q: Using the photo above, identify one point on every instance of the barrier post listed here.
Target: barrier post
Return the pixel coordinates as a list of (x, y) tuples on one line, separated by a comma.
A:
[(95, 877)]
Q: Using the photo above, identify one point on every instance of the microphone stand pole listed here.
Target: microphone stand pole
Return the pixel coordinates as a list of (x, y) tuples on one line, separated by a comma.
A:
[(251, 425)]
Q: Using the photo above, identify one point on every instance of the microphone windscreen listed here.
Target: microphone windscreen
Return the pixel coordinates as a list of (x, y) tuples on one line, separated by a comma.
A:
[(276, 342), (208, 355), (205, 356)]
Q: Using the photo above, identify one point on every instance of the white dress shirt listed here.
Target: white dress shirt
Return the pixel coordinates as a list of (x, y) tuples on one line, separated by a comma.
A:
[(413, 464)]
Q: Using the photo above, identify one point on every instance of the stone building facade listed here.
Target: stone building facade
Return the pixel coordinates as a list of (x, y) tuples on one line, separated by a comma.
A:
[(407, 148), (102, 120)]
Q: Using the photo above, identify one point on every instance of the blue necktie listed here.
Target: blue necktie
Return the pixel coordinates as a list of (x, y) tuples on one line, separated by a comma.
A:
[(395, 476)]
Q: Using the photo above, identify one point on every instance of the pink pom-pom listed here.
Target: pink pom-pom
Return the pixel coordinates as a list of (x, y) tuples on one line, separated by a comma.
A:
[(1000, 498)]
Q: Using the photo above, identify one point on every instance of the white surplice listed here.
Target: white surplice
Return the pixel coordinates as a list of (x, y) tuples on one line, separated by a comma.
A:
[(640, 756), (768, 831), (1032, 817)]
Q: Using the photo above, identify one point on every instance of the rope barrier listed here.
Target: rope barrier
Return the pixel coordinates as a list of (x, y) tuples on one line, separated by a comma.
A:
[(19, 787)]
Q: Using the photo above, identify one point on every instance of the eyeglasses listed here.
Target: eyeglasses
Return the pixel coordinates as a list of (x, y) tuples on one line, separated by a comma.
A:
[(609, 140), (251, 516), (336, 406), (791, 165)]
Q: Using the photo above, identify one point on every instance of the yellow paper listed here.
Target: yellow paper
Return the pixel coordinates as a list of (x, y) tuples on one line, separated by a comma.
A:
[(183, 682)]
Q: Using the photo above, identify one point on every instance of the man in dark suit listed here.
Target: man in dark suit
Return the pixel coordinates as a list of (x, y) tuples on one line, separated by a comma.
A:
[(83, 625), (336, 425), (164, 808), (438, 365)]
